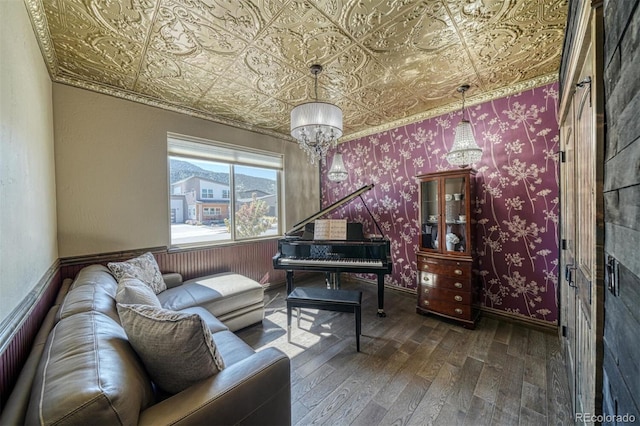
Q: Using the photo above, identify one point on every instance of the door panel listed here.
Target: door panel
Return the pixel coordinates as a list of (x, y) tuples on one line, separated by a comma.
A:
[(568, 231), (585, 236), (580, 230)]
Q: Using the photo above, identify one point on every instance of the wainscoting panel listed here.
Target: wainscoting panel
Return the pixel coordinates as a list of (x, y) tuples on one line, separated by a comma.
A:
[(18, 331), (253, 260)]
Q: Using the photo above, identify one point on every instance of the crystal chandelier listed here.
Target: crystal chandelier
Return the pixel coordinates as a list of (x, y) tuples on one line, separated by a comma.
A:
[(465, 150), (316, 125), (338, 171)]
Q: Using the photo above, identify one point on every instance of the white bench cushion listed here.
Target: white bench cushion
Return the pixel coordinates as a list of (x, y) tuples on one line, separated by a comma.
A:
[(224, 295)]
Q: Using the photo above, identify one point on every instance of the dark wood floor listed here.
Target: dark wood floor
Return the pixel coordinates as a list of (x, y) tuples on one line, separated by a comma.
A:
[(414, 369)]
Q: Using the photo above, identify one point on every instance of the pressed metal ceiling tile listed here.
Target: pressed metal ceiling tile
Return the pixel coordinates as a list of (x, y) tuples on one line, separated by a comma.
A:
[(190, 32), (351, 70), (238, 19), (246, 63), (423, 27), (309, 39), (101, 41), (180, 83), (360, 18), (261, 71)]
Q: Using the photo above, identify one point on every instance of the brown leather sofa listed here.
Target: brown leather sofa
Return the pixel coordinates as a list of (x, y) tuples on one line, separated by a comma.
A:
[(82, 370)]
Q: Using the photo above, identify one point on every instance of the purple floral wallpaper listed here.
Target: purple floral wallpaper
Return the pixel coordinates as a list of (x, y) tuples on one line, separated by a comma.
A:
[(516, 204)]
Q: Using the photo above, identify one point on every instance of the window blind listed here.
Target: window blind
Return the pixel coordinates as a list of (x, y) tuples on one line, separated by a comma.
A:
[(225, 153)]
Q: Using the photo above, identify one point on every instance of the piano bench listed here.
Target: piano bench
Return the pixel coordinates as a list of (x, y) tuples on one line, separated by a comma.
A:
[(328, 300)]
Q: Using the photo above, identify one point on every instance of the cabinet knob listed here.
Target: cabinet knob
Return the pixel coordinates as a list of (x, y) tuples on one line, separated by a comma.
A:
[(425, 278), (458, 272), (426, 302), (458, 311), (424, 266), (458, 285), (458, 298), (426, 291)]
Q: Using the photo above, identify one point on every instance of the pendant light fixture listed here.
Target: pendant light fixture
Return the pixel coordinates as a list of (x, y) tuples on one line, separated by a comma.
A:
[(465, 150), (316, 126), (338, 171)]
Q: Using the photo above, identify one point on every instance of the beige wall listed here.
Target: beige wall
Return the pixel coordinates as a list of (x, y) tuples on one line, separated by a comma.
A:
[(27, 181), (112, 177)]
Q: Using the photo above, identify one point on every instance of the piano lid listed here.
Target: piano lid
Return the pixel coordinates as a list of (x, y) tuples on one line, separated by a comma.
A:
[(330, 208)]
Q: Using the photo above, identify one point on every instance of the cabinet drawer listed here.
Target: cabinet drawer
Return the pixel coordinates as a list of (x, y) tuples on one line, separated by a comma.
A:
[(434, 293), (454, 309), (451, 268), (439, 281)]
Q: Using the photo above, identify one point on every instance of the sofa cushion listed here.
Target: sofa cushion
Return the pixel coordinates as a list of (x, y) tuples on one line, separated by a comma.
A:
[(176, 348), (214, 324), (232, 348), (94, 289), (143, 267), (132, 291), (219, 294), (89, 374)]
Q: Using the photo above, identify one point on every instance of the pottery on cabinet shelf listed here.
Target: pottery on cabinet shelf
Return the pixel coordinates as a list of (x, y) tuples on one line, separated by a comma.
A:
[(447, 284)]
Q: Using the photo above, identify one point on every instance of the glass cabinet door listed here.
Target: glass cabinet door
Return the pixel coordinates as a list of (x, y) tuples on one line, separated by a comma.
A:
[(430, 214), (455, 215)]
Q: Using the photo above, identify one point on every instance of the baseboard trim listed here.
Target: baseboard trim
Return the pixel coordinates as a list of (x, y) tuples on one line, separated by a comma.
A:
[(545, 326), (537, 324), (387, 287)]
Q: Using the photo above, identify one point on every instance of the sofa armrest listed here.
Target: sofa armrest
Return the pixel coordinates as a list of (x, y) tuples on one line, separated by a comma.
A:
[(256, 390), (172, 279), (15, 409)]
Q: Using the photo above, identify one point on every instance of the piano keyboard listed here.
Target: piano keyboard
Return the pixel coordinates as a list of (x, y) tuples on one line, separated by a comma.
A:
[(331, 262)]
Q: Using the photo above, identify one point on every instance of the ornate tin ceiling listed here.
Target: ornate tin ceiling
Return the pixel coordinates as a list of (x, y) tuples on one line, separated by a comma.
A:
[(246, 63)]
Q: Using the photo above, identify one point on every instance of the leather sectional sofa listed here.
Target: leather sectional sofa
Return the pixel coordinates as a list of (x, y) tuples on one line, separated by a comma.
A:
[(83, 369)]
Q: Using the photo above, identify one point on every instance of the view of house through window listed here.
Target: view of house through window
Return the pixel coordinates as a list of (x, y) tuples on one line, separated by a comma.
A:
[(219, 193)]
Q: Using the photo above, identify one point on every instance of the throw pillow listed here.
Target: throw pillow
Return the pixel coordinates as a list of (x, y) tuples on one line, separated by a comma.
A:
[(132, 291), (143, 267), (176, 348)]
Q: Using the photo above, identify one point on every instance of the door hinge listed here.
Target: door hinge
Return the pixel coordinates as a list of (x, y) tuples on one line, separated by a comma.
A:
[(563, 156), (564, 331), (564, 244)]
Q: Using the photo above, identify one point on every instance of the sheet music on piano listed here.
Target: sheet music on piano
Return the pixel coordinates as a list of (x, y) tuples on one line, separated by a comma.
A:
[(330, 229)]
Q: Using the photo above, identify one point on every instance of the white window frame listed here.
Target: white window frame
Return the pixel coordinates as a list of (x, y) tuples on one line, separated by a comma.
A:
[(194, 148)]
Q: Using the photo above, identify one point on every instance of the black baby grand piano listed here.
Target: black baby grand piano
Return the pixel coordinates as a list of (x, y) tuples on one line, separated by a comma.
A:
[(300, 251)]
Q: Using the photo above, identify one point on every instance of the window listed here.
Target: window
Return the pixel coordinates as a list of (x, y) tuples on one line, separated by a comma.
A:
[(247, 182), (212, 211)]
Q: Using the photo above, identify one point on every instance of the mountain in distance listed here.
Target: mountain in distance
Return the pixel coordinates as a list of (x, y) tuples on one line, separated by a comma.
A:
[(181, 170)]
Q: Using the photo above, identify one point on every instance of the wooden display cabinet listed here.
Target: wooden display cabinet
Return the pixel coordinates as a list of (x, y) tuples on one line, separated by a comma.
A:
[(447, 285)]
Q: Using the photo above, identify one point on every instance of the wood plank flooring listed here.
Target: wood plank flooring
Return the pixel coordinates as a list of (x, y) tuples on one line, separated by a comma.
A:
[(413, 369)]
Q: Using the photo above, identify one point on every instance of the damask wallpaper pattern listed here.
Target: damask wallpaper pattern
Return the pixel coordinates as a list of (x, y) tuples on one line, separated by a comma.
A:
[(516, 206)]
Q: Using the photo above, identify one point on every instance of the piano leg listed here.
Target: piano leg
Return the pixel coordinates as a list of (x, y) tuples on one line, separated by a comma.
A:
[(289, 324), (289, 282), (381, 312)]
